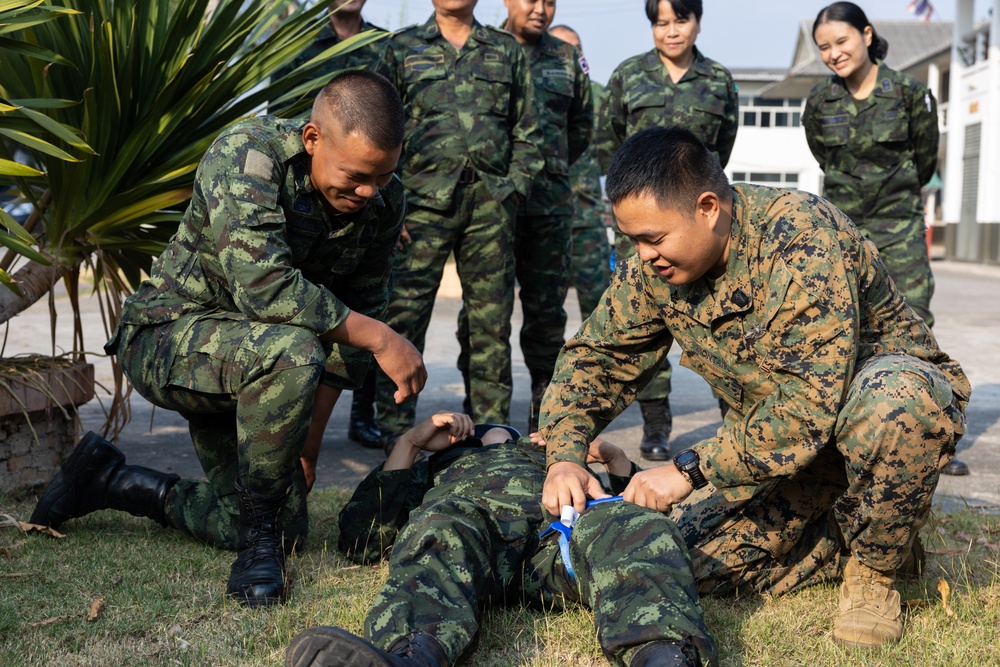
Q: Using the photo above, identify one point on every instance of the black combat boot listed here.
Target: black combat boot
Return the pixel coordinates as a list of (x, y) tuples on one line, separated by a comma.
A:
[(666, 654), (657, 423), (537, 392), (363, 429), (257, 577), (325, 646), (95, 477)]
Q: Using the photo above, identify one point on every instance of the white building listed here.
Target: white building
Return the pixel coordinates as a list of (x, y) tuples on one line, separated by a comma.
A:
[(770, 145), (972, 177)]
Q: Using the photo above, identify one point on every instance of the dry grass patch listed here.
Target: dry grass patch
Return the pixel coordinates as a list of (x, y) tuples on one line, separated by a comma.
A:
[(163, 604)]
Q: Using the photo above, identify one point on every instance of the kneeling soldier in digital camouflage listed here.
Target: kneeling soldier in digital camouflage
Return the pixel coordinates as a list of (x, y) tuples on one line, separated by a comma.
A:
[(843, 410), (466, 531), (262, 308)]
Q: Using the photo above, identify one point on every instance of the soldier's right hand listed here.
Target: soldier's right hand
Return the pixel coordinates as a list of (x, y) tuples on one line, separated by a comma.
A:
[(404, 365), (569, 483)]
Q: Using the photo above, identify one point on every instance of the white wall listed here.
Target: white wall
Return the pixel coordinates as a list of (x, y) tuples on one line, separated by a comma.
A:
[(772, 149)]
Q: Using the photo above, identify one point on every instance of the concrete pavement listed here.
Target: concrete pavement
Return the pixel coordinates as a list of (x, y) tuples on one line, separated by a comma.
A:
[(968, 328)]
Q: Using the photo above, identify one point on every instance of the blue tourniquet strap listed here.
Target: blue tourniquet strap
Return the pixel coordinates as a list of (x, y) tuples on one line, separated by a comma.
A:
[(566, 531)]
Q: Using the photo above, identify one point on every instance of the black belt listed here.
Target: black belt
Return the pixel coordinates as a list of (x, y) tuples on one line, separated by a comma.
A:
[(468, 175)]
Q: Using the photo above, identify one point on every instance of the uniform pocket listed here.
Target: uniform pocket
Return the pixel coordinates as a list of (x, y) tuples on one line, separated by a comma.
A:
[(493, 89), (719, 379)]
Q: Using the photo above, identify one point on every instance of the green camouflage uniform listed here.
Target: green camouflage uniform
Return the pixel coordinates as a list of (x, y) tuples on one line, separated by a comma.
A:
[(875, 155), (590, 271), (226, 329), (472, 540), (843, 408), (542, 234), (641, 95), (470, 145)]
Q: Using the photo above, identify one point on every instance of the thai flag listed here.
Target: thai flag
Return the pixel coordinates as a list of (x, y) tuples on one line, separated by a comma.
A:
[(921, 8)]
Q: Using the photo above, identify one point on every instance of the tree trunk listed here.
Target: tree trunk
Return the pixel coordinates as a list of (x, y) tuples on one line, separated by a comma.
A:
[(35, 281)]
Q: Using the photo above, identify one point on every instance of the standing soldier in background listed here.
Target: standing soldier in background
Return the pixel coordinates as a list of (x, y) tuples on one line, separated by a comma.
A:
[(468, 160), (346, 22), (590, 271), (874, 132), (673, 85), (542, 235)]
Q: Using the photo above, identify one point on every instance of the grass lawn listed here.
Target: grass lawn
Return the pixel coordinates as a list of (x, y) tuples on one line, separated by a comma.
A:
[(159, 601)]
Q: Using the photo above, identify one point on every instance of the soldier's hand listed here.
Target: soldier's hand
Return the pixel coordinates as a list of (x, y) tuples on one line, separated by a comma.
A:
[(658, 488), (611, 456), (404, 365), (439, 431), (404, 239), (569, 483)]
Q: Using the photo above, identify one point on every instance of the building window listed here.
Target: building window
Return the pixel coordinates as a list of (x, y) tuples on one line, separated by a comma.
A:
[(750, 118), (796, 119), (781, 119), (765, 119), (772, 178)]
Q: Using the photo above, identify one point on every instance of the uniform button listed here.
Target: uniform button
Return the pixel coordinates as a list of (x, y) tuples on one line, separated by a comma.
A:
[(740, 298)]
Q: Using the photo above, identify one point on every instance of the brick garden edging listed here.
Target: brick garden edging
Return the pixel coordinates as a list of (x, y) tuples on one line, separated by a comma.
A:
[(25, 464)]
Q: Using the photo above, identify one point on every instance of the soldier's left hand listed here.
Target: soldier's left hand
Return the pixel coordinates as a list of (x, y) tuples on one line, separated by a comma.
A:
[(658, 488), (404, 365)]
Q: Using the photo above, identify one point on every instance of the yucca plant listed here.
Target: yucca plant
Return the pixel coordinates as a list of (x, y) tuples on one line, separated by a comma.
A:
[(113, 103)]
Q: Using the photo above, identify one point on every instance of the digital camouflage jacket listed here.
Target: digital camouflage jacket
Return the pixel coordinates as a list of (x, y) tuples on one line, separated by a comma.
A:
[(803, 302)]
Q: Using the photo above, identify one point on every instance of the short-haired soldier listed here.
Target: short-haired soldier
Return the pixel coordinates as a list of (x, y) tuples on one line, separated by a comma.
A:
[(265, 304), (843, 409)]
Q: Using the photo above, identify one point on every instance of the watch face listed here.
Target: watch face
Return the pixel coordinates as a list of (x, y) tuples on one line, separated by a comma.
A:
[(686, 458)]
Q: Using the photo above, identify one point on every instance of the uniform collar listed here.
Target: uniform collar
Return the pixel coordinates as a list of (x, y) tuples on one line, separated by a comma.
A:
[(430, 31), (886, 84), (700, 66)]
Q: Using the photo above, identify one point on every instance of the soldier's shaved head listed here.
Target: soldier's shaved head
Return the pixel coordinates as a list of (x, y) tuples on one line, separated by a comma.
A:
[(668, 163), (365, 103)]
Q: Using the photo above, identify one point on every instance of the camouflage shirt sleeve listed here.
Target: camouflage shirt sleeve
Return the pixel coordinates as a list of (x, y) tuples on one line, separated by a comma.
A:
[(731, 122), (813, 128), (378, 510), (611, 121), (581, 113), (924, 131), (602, 368), (240, 180)]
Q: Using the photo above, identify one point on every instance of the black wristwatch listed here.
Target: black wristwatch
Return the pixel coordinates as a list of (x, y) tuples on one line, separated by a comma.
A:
[(689, 464)]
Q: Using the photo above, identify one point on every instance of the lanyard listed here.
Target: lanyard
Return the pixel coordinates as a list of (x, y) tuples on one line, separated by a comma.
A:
[(564, 526)]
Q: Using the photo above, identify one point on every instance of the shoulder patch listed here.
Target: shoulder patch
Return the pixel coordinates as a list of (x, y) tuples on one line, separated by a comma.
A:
[(584, 66), (887, 85), (257, 164)]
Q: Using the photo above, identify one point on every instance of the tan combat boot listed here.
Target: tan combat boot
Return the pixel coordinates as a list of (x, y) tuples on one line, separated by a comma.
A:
[(870, 614)]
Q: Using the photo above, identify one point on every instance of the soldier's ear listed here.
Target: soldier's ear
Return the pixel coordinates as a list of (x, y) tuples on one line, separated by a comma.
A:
[(310, 137), (708, 208)]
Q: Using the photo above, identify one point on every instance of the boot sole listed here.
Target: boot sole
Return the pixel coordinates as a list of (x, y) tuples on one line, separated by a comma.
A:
[(857, 646), (74, 464), (650, 456), (332, 647)]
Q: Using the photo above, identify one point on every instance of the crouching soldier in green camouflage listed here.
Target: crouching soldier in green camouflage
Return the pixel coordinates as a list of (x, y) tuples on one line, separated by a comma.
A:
[(262, 308), (843, 408), (467, 528)]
